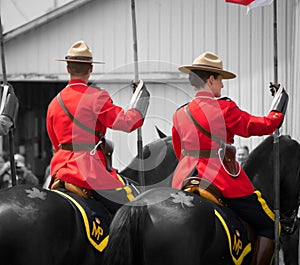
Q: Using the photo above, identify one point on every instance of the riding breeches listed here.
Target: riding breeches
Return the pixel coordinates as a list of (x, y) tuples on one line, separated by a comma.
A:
[(254, 210)]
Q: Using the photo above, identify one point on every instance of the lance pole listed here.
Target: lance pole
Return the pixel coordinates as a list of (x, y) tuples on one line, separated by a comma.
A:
[(276, 147), (136, 79), (10, 133)]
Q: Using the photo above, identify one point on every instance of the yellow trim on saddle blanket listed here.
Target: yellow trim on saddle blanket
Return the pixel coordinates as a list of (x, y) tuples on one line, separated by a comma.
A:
[(96, 229), (237, 244)]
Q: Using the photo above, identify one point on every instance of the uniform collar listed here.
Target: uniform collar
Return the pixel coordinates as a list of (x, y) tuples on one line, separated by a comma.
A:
[(206, 94), (76, 81)]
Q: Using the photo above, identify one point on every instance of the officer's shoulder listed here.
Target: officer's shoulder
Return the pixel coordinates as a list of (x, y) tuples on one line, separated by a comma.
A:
[(96, 87), (225, 98), (182, 106)]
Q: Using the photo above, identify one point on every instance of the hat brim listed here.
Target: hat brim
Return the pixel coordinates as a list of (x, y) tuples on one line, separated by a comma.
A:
[(78, 61), (188, 68)]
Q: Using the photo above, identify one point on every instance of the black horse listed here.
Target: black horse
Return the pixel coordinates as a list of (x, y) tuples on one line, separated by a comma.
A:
[(289, 221), (168, 226)]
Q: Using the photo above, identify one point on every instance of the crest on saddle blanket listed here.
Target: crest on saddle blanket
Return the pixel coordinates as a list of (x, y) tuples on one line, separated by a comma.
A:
[(95, 217), (239, 244)]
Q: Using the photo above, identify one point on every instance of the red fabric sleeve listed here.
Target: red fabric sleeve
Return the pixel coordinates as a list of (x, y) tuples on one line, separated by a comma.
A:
[(241, 123), (115, 117), (176, 143)]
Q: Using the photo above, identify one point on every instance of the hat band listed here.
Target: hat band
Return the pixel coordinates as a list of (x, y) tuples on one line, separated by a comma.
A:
[(210, 66), (82, 58)]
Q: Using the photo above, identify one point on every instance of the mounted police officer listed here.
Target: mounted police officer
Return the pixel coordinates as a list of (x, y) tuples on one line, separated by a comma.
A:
[(203, 131), (77, 120)]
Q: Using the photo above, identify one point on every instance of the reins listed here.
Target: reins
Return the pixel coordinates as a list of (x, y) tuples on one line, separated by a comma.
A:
[(288, 224)]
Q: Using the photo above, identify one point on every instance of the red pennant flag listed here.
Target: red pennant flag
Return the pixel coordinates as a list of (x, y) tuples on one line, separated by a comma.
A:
[(240, 2)]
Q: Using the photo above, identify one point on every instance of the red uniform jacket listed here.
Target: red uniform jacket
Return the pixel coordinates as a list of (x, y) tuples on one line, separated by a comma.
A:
[(224, 119), (94, 108)]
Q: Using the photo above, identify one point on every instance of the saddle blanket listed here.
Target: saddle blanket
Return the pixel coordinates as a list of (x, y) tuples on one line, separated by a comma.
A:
[(95, 218), (239, 244)]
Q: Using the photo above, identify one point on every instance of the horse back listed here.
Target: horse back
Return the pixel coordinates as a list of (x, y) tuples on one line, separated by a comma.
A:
[(191, 234), (41, 227)]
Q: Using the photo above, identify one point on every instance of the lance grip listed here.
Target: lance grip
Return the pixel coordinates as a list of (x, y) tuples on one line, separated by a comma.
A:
[(280, 100), (140, 98)]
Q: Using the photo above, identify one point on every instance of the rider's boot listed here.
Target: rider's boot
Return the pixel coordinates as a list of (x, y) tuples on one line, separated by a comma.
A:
[(263, 251)]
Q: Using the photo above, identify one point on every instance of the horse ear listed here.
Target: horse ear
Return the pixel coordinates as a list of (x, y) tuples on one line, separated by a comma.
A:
[(160, 133)]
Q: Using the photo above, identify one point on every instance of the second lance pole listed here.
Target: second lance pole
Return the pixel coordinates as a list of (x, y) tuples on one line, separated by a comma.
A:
[(136, 79)]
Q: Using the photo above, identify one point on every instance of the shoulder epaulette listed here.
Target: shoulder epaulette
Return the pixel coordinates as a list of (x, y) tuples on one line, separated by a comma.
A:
[(182, 105), (96, 87), (225, 98)]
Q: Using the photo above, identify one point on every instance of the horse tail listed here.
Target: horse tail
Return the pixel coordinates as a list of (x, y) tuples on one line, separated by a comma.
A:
[(125, 246)]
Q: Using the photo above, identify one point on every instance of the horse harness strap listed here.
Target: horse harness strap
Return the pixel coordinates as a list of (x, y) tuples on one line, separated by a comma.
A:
[(202, 129), (200, 153), (77, 122), (226, 153)]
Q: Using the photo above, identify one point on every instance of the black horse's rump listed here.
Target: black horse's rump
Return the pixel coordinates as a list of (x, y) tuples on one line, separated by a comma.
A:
[(38, 226), (155, 240), (177, 234), (163, 226)]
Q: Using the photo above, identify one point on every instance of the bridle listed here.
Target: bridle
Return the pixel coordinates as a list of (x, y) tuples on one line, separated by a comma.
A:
[(288, 223)]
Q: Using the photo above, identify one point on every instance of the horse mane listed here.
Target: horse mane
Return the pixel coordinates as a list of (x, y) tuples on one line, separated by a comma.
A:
[(259, 153), (160, 157), (265, 146), (125, 245)]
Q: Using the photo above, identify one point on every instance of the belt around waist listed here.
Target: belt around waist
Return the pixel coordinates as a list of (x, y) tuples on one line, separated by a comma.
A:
[(200, 153), (78, 147)]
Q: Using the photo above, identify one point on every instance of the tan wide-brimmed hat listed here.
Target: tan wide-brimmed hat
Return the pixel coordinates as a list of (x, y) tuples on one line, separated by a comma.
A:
[(208, 61), (79, 53)]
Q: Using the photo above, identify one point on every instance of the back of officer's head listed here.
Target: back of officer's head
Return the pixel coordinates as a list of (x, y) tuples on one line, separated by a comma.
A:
[(78, 69)]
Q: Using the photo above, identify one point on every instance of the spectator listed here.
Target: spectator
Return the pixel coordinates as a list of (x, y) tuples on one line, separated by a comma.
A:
[(23, 174), (242, 153), (5, 179)]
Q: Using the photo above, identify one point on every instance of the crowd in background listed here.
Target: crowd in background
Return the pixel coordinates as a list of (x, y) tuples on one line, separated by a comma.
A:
[(23, 173), (242, 154)]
